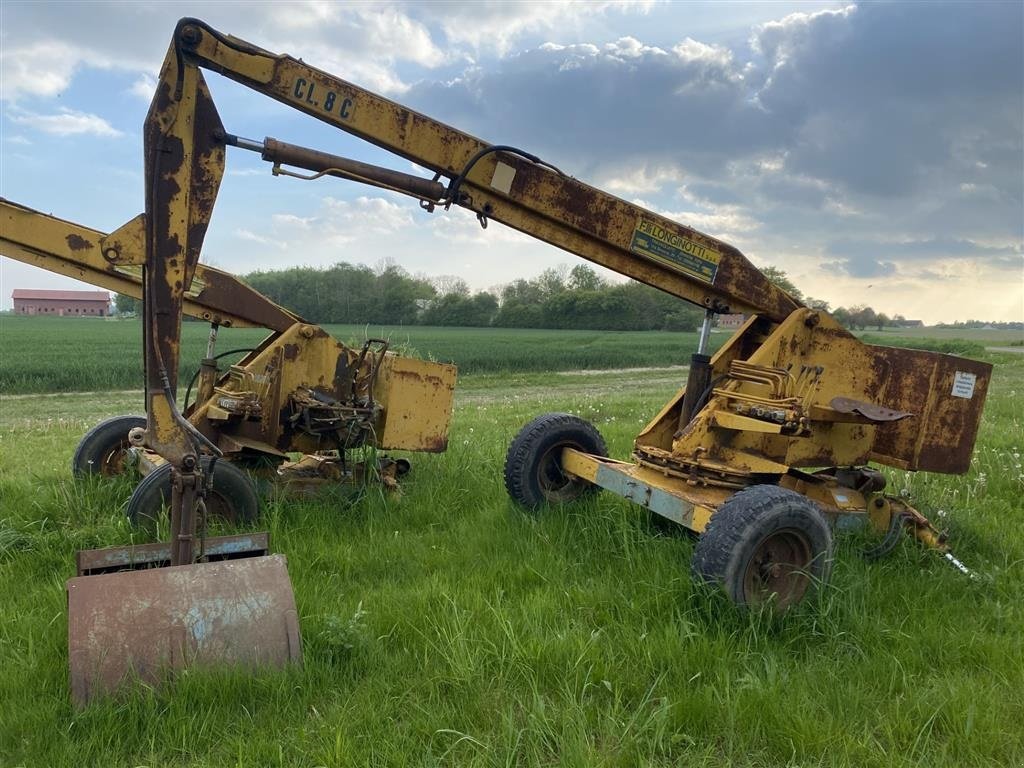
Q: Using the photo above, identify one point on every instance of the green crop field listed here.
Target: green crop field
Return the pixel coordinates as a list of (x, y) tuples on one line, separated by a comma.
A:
[(444, 626), (52, 354)]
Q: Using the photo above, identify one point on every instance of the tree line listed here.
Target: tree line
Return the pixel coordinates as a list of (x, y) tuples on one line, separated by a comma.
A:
[(855, 318), (577, 298)]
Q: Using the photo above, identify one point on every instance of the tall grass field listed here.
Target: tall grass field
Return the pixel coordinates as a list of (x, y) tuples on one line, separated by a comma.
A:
[(443, 626), (53, 354)]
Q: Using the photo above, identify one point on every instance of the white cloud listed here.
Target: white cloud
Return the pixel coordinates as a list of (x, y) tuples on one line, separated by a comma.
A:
[(290, 219), (253, 237), (626, 48), (725, 222), (43, 68), (66, 122), (644, 179), (144, 87), (366, 215), (691, 50), (363, 44), (496, 26)]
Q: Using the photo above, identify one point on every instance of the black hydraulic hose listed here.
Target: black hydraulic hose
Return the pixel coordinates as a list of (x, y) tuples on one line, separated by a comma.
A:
[(453, 188), (892, 536), (706, 394)]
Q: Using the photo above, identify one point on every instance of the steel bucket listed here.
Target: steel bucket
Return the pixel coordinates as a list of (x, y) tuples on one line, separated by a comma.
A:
[(145, 624)]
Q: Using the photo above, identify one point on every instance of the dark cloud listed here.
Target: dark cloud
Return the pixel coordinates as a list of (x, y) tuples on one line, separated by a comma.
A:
[(873, 100), (866, 257), (881, 96), (615, 102)]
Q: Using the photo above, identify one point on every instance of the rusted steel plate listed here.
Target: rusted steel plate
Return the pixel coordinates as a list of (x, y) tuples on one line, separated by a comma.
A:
[(111, 559), (145, 624), (867, 410), (948, 392)]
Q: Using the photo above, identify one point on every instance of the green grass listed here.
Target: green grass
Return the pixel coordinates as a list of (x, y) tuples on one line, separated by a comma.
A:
[(993, 337), (447, 627), (962, 347), (49, 354)]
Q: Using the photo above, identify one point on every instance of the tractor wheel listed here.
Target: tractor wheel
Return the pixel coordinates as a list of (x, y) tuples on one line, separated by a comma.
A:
[(765, 544), (533, 470), (104, 449), (232, 499)]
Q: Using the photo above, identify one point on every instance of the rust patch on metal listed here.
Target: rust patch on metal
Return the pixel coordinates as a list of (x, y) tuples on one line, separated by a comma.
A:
[(291, 352), (148, 624), (78, 243), (942, 439), (867, 410), (436, 444)]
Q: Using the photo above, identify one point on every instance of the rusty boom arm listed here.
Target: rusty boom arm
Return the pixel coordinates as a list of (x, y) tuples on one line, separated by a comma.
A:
[(496, 182), (787, 343), (94, 257)]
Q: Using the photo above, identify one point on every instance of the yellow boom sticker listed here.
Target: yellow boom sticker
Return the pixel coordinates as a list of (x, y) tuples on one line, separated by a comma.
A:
[(654, 241)]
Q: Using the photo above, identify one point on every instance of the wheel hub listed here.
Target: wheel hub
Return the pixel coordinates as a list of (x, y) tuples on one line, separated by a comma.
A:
[(779, 568)]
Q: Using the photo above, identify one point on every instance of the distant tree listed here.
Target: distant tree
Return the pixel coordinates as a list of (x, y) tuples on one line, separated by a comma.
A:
[(126, 304), (551, 281), (398, 293), (862, 316), (584, 278), (819, 304), (881, 320), (843, 316), (781, 280), (445, 284), (459, 310)]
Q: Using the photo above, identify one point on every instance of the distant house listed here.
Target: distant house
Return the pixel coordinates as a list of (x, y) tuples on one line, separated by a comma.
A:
[(731, 321), (61, 303)]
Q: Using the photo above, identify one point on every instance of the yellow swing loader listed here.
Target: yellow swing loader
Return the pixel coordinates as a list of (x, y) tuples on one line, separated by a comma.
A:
[(763, 452), (766, 449)]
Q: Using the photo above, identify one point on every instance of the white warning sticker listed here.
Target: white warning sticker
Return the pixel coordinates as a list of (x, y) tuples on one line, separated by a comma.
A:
[(503, 176), (963, 384)]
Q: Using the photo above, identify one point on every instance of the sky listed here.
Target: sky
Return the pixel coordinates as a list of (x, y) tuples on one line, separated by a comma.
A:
[(873, 151)]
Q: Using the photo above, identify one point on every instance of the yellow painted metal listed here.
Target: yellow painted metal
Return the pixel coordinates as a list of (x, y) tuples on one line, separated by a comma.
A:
[(580, 464), (417, 398), (76, 251), (505, 187), (674, 498), (413, 398), (938, 437), (701, 518), (126, 244)]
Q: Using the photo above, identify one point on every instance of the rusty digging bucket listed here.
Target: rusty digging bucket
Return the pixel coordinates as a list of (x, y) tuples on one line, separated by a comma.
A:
[(144, 624)]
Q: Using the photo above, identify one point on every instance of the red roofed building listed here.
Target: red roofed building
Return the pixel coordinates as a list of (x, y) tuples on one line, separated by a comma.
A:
[(731, 322), (61, 303)]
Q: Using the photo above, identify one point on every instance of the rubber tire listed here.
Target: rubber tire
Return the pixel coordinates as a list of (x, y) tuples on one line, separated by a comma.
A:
[(93, 454), (746, 520), (530, 459), (234, 495)]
